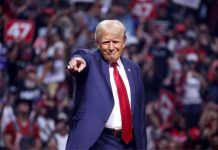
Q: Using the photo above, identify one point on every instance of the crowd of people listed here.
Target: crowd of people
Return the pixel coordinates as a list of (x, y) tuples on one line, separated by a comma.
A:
[(176, 48)]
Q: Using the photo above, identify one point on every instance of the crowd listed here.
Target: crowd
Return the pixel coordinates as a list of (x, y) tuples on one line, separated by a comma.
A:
[(176, 48)]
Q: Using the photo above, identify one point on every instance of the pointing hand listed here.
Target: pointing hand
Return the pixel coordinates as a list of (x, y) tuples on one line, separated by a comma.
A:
[(76, 65)]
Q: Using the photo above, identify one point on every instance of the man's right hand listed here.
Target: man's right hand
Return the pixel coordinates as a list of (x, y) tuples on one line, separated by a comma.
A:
[(76, 65)]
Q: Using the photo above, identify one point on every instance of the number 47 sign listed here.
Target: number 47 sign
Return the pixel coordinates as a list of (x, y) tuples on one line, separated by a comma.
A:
[(21, 30)]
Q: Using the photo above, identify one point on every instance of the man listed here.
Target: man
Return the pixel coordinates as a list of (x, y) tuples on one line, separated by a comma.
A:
[(22, 133), (109, 101)]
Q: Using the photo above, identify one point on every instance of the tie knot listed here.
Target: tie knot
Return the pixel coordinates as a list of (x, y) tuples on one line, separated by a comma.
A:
[(114, 64)]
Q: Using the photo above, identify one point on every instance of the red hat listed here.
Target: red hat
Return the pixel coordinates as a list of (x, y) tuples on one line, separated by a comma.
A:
[(49, 11), (180, 28), (194, 133)]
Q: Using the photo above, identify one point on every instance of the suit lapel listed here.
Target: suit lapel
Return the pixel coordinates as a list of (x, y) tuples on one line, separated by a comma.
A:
[(105, 69), (129, 74)]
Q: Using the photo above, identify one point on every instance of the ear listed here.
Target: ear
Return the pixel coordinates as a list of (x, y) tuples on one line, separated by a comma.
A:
[(124, 44), (98, 46)]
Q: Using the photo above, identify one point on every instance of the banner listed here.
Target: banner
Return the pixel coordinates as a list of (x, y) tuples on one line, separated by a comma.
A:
[(167, 105), (82, 1), (145, 9), (21, 30), (189, 3)]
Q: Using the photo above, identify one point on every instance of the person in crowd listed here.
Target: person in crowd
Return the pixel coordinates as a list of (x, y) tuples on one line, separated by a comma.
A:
[(150, 80), (208, 123), (45, 123), (6, 111), (108, 113), (22, 133), (214, 141), (193, 87), (213, 82), (61, 131), (161, 58), (29, 89), (52, 144)]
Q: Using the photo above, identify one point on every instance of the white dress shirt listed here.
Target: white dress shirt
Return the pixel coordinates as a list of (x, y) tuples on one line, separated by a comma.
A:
[(114, 120)]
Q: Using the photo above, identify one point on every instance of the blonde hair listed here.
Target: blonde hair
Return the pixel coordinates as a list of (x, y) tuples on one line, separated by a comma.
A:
[(109, 25)]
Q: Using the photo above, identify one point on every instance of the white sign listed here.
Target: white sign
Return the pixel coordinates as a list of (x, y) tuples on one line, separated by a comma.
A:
[(83, 1), (189, 3)]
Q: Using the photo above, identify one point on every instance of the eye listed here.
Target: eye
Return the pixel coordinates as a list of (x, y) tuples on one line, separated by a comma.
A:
[(105, 42), (116, 42)]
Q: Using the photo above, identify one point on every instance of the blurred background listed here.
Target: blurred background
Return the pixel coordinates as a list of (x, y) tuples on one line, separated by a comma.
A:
[(175, 42)]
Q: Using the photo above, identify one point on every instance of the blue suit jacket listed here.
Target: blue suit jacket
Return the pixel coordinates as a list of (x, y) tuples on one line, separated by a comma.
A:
[(94, 102)]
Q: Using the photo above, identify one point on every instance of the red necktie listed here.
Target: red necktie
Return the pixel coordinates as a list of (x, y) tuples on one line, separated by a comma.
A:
[(124, 106)]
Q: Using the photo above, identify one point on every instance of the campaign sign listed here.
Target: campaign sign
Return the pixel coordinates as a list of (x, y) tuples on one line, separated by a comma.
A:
[(145, 9), (19, 30)]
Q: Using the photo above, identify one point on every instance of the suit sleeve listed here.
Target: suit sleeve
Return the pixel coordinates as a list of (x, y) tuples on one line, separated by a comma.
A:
[(142, 108), (83, 53)]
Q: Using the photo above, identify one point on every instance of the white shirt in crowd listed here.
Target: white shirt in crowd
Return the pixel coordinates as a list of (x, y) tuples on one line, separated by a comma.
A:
[(7, 117), (192, 90), (46, 127), (62, 141)]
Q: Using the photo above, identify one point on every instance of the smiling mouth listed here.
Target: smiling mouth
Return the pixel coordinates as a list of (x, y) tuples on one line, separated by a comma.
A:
[(111, 53)]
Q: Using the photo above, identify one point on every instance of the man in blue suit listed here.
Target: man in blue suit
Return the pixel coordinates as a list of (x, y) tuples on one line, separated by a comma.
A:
[(109, 101)]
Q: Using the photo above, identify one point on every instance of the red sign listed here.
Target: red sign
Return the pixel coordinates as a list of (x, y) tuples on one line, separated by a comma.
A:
[(145, 9), (167, 105), (21, 30)]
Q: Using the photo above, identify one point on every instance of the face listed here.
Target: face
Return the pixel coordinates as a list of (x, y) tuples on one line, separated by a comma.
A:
[(52, 144), (61, 128), (111, 45), (23, 109)]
